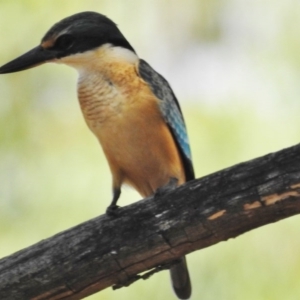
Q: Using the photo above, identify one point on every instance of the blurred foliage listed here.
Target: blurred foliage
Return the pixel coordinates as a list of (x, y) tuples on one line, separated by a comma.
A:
[(235, 68)]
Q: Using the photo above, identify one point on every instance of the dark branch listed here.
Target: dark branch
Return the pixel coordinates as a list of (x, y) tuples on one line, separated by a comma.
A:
[(155, 232)]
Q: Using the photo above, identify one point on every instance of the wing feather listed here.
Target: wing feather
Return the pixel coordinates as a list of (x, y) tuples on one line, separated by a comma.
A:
[(171, 112)]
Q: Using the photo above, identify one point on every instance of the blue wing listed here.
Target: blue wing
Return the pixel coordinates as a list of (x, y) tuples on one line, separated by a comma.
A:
[(171, 112)]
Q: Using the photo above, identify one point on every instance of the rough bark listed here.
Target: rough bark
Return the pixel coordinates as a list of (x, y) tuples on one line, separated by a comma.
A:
[(108, 251)]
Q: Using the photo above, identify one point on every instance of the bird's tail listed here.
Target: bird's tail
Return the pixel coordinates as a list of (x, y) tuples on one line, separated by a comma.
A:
[(181, 279)]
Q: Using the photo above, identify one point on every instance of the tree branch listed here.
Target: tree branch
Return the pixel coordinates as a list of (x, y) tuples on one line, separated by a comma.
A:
[(154, 232)]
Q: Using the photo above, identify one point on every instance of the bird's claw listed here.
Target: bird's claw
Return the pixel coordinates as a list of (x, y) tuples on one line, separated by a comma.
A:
[(171, 185), (112, 210)]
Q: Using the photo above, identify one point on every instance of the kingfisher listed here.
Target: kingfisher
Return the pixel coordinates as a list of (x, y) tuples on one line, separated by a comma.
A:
[(130, 108)]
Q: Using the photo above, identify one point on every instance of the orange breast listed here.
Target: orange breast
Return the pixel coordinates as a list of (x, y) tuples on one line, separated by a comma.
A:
[(124, 115)]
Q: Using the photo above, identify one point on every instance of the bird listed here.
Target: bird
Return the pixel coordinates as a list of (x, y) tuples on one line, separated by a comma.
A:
[(130, 108)]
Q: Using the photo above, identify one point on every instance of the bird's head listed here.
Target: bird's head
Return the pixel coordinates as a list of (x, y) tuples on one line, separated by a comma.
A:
[(68, 40)]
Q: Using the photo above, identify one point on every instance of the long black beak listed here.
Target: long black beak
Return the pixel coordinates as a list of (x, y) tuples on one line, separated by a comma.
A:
[(30, 59)]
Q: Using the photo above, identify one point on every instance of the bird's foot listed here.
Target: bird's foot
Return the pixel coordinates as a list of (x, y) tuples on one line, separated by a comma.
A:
[(112, 210), (171, 185)]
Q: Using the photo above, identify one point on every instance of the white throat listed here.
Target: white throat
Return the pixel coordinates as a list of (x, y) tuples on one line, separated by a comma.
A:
[(98, 58)]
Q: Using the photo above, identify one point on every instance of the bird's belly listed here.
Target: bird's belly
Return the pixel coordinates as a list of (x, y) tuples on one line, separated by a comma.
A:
[(142, 154), (137, 142), (139, 147)]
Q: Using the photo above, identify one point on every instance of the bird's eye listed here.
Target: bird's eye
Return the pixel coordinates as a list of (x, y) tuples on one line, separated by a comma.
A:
[(64, 42)]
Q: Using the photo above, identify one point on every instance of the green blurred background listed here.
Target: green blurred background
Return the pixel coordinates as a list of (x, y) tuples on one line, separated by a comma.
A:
[(235, 67)]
